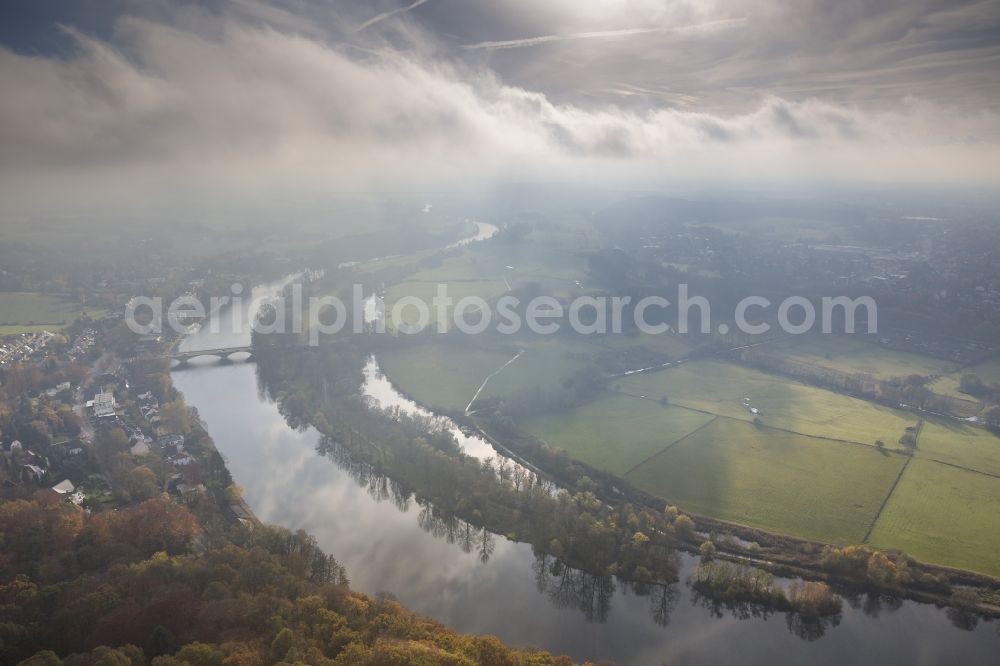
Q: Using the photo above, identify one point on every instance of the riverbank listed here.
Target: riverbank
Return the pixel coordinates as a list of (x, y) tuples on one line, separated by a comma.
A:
[(476, 582), (869, 569)]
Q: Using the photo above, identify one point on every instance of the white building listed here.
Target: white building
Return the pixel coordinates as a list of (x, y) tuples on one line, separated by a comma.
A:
[(64, 487), (53, 392), (104, 405)]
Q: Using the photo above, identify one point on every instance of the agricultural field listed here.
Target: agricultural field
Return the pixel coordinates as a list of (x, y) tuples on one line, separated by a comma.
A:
[(426, 291), (673, 346), (552, 259), (440, 377), (782, 482), (544, 362), (22, 312), (960, 444), (809, 470), (448, 376), (943, 515), (616, 432), (436, 374), (721, 389), (857, 355)]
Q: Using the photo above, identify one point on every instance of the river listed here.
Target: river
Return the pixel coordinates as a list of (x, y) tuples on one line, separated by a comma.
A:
[(389, 546)]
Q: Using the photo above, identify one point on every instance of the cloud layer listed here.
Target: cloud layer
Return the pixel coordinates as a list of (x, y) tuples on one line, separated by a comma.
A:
[(210, 107), (847, 51)]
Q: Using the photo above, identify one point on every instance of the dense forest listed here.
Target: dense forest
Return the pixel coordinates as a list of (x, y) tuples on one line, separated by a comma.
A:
[(147, 585)]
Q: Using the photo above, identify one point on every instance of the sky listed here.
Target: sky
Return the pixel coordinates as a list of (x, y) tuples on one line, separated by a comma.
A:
[(126, 103)]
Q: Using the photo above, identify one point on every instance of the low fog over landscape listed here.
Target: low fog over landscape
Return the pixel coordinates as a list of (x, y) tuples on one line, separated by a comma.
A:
[(126, 103)]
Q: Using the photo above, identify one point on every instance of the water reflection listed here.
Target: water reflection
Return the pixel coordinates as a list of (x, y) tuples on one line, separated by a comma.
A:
[(371, 524), (805, 626), (811, 628), (454, 530), (380, 487), (378, 388), (571, 588), (873, 603), (964, 619), (484, 230)]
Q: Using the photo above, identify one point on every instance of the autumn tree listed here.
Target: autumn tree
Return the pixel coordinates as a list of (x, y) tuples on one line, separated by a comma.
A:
[(142, 483), (176, 417), (684, 527)]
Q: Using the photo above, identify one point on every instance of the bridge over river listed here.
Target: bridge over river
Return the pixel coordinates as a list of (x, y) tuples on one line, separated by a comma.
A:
[(221, 353)]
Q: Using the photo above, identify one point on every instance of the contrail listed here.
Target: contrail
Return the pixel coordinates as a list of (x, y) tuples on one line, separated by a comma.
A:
[(625, 32), (384, 15)]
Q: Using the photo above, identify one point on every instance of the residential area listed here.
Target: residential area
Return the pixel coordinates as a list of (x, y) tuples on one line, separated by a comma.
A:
[(99, 430)]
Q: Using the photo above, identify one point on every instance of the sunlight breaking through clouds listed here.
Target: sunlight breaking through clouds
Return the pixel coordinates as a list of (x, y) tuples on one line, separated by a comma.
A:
[(223, 104)]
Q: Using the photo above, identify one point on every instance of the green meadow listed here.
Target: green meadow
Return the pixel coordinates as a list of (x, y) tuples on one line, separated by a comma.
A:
[(616, 432), (721, 388), (24, 312), (944, 515), (728, 441), (960, 444), (778, 481), (856, 355), (440, 377)]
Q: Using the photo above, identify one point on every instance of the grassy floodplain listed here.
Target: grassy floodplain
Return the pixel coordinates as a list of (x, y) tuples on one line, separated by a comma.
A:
[(857, 355), (944, 515), (809, 469), (774, 480), (543, 363), (720, 388), (960, 444), (617, 432), (800, 484), (673, 346), (440, 377), (28, 312), (702, 452), (426, 291), (553, 259), (804, 473)]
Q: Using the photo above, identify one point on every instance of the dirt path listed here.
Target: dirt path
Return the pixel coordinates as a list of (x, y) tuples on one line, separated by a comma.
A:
[(489, 377)]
